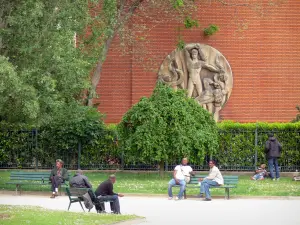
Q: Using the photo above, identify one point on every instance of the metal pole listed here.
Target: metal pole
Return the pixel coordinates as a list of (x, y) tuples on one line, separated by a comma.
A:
[(79, 154), (166, 165), (122, 160), (36, 149), (256, 144)]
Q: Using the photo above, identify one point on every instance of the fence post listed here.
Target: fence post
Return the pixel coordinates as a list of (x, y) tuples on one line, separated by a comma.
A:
[(122, 160), (79, 154), (166, 165), (256, 144), (36, 149)]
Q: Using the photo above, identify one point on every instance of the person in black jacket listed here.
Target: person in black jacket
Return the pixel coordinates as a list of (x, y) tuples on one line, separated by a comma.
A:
[(273, 151), (80, 181), (105, 193)]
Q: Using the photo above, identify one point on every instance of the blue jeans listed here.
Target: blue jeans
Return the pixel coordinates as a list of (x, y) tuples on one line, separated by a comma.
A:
[(114, 205), (205, 185), (173, 183), (273, 162)]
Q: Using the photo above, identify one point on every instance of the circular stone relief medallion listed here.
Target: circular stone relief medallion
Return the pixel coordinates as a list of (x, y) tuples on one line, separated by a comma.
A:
[(203, 71)]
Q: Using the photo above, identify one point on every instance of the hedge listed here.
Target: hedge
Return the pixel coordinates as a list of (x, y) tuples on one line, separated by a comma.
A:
[(238, 144)]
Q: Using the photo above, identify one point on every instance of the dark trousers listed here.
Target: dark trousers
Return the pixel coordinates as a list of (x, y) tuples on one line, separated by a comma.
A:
[(55, 181), (114, 205)]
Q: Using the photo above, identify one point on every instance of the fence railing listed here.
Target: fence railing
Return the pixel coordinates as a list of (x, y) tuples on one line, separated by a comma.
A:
[(240, 150)]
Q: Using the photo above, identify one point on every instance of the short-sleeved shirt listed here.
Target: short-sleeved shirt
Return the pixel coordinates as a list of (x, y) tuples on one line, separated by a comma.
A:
[(182, 171)]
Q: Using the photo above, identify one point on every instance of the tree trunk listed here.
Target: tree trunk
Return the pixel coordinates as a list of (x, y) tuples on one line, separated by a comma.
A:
[(97, 73)]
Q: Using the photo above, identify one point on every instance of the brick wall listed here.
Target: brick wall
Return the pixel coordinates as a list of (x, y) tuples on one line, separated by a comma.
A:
[(263, 53)]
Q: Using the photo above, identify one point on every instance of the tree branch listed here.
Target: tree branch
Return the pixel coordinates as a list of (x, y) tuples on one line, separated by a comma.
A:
[(223, 2)]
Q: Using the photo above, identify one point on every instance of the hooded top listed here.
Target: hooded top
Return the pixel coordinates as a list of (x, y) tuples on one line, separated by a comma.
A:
[(273, 148)]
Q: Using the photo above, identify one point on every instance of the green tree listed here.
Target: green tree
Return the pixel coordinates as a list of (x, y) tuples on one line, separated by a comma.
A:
[(166, 127), (48, 71)]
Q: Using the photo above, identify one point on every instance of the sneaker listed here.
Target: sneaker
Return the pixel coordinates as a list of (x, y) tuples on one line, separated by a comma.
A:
[(170, 198), (277, 179), (52, 196), (273, 179), (200, 196), (207, 199)]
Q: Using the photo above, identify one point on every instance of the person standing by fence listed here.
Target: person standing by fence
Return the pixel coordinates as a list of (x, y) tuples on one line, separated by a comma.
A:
[(273, 151)]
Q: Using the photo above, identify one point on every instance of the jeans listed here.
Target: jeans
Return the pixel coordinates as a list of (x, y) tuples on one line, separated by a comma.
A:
[(173, 183), (114, 205), (205, 185), (273, 162)]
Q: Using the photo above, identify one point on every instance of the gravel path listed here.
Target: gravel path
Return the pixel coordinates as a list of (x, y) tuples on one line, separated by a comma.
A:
[(158, 210)]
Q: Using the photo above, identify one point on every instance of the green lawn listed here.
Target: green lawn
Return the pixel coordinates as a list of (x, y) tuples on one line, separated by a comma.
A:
[(16, 215), (151, 183)]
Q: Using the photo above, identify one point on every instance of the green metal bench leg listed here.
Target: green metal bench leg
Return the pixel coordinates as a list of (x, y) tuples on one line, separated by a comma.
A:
[(69, 206), (227, 193), (81, 206), (18, 188)]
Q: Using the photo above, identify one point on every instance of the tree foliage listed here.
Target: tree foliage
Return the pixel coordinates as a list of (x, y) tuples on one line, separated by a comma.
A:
[(45, 67), (167, 126)]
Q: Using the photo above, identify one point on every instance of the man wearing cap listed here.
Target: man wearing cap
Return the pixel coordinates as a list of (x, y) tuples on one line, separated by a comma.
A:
[(80, 181), (105, 193), (58, 176)]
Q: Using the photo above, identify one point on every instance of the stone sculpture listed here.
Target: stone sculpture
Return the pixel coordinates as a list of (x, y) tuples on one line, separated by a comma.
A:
[(203, 71)]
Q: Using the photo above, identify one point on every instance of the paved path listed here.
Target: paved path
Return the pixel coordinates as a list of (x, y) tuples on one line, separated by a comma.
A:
[(162, 211)]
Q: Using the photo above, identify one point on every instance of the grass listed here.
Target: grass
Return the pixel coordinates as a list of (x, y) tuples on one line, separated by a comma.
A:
[(16, 215), (151, 183)]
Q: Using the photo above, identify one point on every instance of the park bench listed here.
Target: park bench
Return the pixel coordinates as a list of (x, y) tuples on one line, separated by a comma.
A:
[(229, 182), (75, 195), (31, 178)]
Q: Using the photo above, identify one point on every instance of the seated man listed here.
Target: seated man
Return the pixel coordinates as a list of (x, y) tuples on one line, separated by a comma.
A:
[(214, 178), (181, 176), (260, 173), (80, 181), (105, 193), (58, 176)]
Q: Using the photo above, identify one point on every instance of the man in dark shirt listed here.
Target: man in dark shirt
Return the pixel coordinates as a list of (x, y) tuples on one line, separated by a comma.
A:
[(58, 176), (80, 181), (105, 193)]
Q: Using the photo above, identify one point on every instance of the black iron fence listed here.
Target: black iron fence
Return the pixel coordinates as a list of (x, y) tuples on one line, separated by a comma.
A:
[(239, 150)]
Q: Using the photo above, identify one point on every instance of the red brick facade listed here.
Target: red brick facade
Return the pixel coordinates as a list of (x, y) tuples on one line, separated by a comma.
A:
[(263, 52)]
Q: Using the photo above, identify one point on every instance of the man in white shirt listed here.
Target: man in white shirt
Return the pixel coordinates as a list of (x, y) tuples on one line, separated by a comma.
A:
[(181, 176), (214, 178)]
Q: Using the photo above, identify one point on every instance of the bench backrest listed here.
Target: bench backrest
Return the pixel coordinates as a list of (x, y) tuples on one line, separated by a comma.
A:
[(76, 192), (35, 176), (229, 180)]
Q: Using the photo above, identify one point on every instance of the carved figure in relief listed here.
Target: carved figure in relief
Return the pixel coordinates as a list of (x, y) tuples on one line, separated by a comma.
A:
[(195, 60), (203, 71)]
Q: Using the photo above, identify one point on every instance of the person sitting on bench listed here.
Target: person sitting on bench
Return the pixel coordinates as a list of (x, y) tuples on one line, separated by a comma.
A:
[(80, 181), (58, 176), (105, 193), (214, 178), (181, 176)]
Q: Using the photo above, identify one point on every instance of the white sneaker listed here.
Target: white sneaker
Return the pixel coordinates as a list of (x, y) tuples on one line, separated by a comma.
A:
[(176, 198), (277, 179), (170, 198)]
